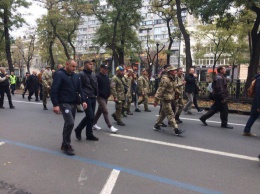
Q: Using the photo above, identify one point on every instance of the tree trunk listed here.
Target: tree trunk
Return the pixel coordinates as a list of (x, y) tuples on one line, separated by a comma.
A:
[(255, 57), (61, 40), (70, 41), (185, 34), (171, 41), (114, 38), (28, 66), (52, 62), (7, 39)]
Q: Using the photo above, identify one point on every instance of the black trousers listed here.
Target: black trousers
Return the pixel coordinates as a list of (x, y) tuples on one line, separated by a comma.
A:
[(68, 112), (3, 90), (218, 106), (87, 121), (31, 92)]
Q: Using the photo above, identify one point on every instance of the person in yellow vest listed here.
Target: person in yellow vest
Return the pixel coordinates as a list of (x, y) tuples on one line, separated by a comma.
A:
[(13, 80)]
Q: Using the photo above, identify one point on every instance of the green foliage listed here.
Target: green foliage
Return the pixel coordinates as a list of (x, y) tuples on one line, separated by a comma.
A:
[(61, 23), (128, 18)]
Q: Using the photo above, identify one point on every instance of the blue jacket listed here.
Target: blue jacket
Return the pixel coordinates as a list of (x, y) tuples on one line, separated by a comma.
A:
[(256, 100), (65, 87)]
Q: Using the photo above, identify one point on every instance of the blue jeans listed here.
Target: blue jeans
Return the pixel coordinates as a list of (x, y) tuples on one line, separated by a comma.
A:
[(253, 116), (87, 121)]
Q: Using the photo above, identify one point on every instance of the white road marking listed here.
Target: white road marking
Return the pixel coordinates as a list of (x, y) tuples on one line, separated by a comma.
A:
[(82, 177), (26, 102), (2, 143), (187, 147), (111, 181), (213, 121), (209, 121)]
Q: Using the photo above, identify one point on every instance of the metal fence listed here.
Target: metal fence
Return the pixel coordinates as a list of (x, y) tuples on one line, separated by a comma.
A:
[(236, 91)]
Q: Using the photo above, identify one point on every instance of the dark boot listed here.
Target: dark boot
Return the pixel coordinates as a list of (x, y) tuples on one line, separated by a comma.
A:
[(204, 117), (177, 118), (45, 107)]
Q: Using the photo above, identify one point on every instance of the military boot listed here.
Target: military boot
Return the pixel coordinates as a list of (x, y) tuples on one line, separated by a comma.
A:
[(114, 116), (177, 118), (121, 123)]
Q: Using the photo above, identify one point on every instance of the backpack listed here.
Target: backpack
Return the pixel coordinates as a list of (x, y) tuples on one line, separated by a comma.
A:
[(251, 89)]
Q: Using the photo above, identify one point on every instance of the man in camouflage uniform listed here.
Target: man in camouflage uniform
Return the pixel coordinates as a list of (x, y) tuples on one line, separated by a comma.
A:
[(165, 94), (179, 104), (118, 92), (143, 87), (129, 78), (46, 83)]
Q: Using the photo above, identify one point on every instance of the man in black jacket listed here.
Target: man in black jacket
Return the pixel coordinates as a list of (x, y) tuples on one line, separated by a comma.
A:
[(4, 88), (190, 88), (33, 86), (90, 90), (220, 94), (103, 95), (66, 85)]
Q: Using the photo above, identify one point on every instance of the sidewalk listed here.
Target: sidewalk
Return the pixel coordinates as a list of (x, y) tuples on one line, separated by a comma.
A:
[(237, 108)]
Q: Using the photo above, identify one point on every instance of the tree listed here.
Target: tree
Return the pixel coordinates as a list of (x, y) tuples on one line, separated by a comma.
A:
[(186, 36), (10, 19), (216, 41), (61, 22), (167, 11), (220, 9), (25, 49), (113, 24)]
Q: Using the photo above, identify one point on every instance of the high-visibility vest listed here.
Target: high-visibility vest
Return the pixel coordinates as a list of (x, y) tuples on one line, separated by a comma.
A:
[(12, 79)]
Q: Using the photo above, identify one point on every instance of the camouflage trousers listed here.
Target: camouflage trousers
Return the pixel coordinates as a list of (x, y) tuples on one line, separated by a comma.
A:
[(46, 93), (167, 112), (128, 102), (179, 105), (119, 108), (144, 100)]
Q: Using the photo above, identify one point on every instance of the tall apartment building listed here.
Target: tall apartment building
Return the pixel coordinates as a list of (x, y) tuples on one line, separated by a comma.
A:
[(152, 27)]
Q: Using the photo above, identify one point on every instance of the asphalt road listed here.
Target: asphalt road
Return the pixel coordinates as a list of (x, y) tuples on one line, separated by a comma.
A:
[(137, 160)]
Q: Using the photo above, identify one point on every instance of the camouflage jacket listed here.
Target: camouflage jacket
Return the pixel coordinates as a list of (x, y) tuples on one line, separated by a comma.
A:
[(166, 90), (47, 79), (179, 85), (128, 82), (117, 88), (143, 85)]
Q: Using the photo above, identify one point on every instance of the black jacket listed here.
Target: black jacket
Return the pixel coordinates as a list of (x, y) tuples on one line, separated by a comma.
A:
[(256, 100), (219, 86), (32, 83), (4, 83), (103, 86), (89, 83), (190, 85), (65, 87)]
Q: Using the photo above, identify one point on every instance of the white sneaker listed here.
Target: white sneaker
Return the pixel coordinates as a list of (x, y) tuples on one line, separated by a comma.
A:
[(113, 129), (95, 127)]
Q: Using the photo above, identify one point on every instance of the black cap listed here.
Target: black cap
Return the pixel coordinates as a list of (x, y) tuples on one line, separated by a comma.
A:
[(166, 66), (27, 73), (104, 66)]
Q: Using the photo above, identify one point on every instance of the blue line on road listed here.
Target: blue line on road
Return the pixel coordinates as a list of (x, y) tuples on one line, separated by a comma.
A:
[(111, 166)]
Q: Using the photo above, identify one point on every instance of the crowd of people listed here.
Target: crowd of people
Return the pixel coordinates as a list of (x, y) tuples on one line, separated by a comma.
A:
[(69, 91)]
